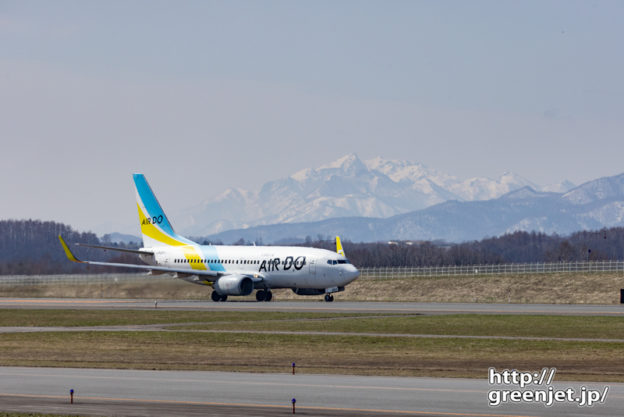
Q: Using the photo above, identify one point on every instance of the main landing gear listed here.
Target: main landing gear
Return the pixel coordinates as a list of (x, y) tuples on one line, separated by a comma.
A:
[(329, 298), (262, 295), (218, 297)]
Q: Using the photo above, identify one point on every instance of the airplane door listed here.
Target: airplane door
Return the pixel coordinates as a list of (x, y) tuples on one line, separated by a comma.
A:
[(312, 266)]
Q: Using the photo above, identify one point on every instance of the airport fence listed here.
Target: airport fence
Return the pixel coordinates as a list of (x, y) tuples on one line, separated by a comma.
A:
[(377, 273), (492, 269)]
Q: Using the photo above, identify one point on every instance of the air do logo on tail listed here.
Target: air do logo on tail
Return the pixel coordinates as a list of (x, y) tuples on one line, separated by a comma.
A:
[(155, 227), (153, 220)]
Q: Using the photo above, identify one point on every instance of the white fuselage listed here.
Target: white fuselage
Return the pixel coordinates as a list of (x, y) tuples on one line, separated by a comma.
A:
[(272, 266)]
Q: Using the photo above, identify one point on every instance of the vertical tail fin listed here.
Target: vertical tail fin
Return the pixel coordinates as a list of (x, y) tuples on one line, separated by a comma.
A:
[(339, 246), (155, 226)]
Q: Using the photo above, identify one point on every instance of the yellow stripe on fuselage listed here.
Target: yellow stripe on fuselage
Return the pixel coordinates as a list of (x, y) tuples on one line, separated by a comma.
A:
[(195, 261), (190, 252)]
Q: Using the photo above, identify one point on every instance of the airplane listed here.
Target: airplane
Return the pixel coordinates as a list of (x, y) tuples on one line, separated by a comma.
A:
[(229, 270)]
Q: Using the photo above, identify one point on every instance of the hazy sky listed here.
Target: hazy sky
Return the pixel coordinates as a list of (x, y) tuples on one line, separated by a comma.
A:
[(201, 96)]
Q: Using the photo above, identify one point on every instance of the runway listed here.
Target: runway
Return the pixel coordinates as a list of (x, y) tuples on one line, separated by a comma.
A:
[(318, 306), (189, 393)]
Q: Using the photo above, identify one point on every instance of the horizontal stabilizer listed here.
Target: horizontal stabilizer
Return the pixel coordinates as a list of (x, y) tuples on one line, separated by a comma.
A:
[(137, 251), (163, 269)]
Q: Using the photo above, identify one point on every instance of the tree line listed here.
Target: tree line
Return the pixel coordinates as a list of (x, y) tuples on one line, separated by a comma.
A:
[(32, 247), (517, 247)]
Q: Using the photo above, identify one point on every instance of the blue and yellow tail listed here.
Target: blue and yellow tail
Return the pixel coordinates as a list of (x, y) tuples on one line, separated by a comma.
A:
[(155, 226)]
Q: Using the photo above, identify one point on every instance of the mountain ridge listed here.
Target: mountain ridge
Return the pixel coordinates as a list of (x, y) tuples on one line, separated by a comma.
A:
[(590, 206), (346, 187)]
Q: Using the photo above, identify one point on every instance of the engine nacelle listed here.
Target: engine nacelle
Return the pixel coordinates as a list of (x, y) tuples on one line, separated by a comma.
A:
[(234, 285)]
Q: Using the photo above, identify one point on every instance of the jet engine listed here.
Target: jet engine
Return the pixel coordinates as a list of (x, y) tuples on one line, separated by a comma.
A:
[(234, 285)]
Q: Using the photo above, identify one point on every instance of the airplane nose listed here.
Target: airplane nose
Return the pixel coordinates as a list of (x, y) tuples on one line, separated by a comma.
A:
[(354, 274)]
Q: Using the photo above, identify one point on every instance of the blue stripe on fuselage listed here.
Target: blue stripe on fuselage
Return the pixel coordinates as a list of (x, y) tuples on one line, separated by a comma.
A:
[(210, 253)]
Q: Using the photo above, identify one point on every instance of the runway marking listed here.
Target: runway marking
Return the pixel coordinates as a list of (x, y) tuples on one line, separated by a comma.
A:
[(252, 405)]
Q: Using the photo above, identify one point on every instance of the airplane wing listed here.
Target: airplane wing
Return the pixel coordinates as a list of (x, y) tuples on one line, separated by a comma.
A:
[(162, 269), (137, 251)]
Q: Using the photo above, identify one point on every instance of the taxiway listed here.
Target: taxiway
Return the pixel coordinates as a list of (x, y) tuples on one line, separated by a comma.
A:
[(318, 306), (160, 393)]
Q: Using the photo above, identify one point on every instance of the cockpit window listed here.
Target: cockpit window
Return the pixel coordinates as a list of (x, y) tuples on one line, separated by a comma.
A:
[(339, 261)]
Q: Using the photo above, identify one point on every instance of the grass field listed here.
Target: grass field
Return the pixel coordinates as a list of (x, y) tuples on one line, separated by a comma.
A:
[(539, 326), (595, 288), (313, 354), (76, 318), (473, 325), (187, 347)]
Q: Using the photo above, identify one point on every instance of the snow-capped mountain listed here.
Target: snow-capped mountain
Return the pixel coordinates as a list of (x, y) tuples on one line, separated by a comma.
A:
[(347, 187), (590, 206)]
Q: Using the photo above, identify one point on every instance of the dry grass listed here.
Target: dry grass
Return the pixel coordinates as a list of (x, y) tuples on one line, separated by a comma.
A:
[(331, 353), (540, 326), (157, 289), (87, 317), (537, 326), (571, 288), (596, 288), (9, 414), (327, 354)]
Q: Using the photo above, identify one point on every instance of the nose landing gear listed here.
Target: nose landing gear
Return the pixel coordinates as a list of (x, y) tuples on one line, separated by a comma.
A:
[(329, 298)]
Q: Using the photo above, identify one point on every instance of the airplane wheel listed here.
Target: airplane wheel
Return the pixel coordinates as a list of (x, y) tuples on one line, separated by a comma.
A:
[(215, 296), (224, 298), (269, 296), (261, 295), (329, 298)]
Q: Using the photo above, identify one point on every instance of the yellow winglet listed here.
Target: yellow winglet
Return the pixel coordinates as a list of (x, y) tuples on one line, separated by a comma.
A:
[(68, 252), (339, 246)]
